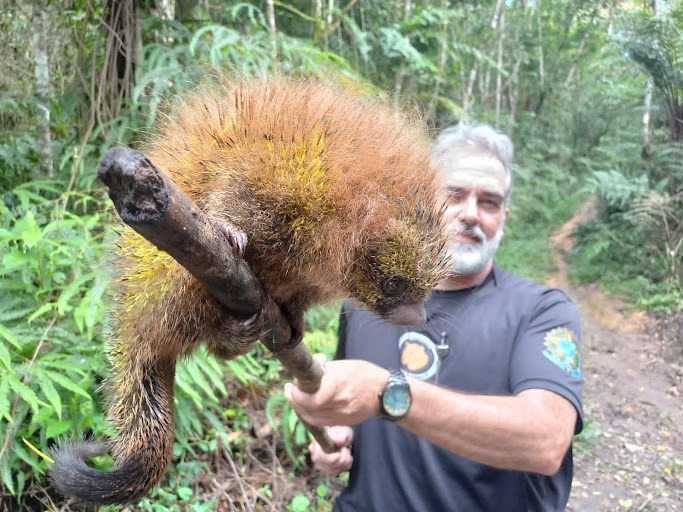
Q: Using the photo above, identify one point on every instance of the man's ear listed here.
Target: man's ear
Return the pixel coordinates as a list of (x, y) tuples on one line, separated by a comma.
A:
[(506, 214)]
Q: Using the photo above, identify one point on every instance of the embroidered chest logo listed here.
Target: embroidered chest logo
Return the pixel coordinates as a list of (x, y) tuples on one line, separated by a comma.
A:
[(562, 350)]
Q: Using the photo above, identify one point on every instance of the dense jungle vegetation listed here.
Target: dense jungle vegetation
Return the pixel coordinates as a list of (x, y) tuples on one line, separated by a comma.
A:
[(590, 91)]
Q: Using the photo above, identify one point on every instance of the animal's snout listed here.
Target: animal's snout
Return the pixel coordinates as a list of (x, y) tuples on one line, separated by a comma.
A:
[(407, 314)]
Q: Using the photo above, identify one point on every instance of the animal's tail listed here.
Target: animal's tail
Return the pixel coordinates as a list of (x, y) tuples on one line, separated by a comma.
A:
[(161, 313), (141, 450)]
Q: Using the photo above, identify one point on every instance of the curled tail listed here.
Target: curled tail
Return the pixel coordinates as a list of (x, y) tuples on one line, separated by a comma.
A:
[(142, 449)]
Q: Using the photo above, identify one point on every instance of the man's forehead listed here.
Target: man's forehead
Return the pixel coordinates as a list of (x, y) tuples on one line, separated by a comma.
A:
[(480, 171)]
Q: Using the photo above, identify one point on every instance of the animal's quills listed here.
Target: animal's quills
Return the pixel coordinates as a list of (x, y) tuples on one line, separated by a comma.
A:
[(336, 199)]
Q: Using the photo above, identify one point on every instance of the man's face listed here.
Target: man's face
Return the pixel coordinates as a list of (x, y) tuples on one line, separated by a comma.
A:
[(476, 185)]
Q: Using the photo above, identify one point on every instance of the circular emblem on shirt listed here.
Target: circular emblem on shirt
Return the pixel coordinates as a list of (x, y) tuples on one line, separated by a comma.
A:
[(418, 354)]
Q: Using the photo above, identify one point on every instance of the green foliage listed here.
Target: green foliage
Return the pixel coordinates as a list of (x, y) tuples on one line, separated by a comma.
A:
[(656, 43), (299, 503), (635, 244), (294, 435), (18, 145), (616, 189), (178, 495), (322, 324), (585, 442), (319, 502), (201, 392), (52, 303)]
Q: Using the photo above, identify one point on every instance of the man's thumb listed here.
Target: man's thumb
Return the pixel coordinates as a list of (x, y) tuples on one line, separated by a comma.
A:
[(294, 395), (340, 435)]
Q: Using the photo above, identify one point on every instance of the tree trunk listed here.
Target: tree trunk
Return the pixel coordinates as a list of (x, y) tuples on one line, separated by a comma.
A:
[(270, 13), (330, 10), (185, 10), (400, 70), (541, 58), (469, 91), (575, 63), (398, 86), (114, 83), (443, 55), (579, 51), (42, 74), (513, 94), (499, 73), (645, 143), (484, 88), (319, 25)]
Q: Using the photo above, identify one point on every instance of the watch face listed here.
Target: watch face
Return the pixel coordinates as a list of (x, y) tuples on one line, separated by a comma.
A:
[(396, 400)]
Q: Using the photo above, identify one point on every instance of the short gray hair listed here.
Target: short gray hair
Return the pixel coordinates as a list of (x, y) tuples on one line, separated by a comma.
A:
[(478, 137)]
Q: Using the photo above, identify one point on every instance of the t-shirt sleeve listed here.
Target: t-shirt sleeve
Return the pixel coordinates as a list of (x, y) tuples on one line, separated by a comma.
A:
[(546, 354)]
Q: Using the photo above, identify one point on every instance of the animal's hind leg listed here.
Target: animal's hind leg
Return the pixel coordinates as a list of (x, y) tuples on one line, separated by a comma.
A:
[(230, 337), (225, 335), (294, 310)]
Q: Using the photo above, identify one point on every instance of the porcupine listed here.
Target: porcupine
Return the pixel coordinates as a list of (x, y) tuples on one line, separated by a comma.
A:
[(336, 199)]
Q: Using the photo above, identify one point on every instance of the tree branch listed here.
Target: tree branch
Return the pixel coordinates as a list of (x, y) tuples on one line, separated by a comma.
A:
[(156, 208)]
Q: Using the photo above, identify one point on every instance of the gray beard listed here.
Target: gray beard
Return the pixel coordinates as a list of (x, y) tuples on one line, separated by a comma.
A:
[(471, 258)]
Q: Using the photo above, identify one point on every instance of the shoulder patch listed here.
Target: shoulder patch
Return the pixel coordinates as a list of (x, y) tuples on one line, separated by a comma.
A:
[(562, 349)]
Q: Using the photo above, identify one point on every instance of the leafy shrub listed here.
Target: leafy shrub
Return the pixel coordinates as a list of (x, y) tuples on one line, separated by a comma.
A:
[(636, 244), (18, 153), (52, 304)]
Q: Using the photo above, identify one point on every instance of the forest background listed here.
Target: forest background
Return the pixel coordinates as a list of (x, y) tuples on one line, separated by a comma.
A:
[(590, 92)]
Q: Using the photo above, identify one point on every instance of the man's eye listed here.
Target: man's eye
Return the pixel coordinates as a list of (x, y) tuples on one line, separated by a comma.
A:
[(455, 196), (393, 286), (490, 204)]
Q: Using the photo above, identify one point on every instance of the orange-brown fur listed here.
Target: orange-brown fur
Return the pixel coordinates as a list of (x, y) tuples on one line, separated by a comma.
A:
[(335, 196)]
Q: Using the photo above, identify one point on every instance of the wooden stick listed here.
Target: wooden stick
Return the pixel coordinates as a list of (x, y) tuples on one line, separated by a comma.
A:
[(154, 206)]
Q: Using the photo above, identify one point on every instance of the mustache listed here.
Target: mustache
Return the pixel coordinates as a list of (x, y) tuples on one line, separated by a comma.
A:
[(474, 231)]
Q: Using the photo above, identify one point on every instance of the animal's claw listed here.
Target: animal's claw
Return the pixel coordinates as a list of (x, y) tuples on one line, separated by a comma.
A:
[(236, 238)]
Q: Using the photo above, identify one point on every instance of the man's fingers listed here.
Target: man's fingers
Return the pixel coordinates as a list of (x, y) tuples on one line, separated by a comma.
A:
[(330, 463), (340, 435), (321, 359)]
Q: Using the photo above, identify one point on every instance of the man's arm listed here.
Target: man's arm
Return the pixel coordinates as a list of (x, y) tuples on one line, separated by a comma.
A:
[(527, 432)]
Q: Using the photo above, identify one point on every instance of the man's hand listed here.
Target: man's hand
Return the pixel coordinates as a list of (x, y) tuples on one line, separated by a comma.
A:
[(339, 461), (348, 394)]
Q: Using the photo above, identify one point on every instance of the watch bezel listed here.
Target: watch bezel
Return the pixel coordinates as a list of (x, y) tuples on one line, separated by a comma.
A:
[(396, 381)]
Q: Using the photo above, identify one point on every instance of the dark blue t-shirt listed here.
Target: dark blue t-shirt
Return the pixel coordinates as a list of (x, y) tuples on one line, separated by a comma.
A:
[(500, 338)]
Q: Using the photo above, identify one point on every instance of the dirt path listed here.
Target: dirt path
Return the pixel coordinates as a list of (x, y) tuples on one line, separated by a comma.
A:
[(630, 456)]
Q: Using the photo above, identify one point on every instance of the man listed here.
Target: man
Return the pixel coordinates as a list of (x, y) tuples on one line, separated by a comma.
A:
[(481, 415)]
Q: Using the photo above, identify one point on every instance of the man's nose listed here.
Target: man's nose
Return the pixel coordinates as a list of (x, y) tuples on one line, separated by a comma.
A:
[(469, 213)]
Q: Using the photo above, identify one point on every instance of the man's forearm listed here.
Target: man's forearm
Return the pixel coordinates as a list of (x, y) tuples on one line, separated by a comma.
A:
[(528, 432)]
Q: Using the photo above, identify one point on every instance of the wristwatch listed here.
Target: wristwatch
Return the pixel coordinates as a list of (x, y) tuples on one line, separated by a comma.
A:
[(395, 398)]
